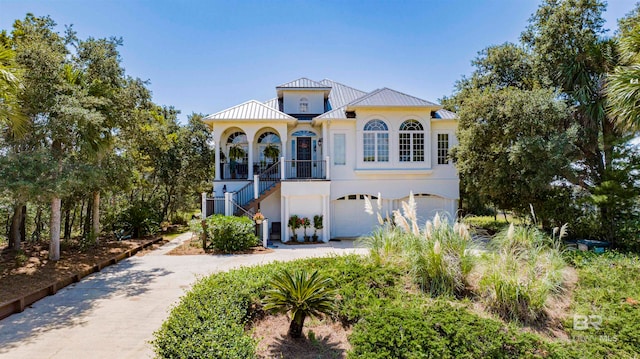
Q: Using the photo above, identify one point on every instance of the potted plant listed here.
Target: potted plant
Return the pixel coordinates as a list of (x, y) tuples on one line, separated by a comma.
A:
[(272, 152), (294, 223), (317, 224), (304, 221), (258, 217)]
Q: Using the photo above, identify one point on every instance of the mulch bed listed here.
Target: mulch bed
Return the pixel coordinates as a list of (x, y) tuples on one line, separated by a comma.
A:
[(24, 272), (194, 247)]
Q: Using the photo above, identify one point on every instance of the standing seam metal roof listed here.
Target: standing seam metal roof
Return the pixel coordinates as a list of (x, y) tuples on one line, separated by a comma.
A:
[(303, 82), (446, 115), (250, 110), (341, 94), (390, 98)]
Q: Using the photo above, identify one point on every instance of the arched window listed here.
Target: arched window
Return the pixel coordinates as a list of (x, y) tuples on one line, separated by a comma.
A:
[(304, 105), (237, 147), (411, 142), (268, 146), (375, 142)]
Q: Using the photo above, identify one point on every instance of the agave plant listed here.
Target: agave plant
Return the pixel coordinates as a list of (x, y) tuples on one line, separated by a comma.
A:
[(300, 294)]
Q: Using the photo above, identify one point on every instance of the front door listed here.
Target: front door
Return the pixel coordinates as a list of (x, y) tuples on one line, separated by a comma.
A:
[(304, 157)]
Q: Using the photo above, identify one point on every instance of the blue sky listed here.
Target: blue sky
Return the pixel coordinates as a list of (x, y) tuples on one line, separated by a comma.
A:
[(205, 56)]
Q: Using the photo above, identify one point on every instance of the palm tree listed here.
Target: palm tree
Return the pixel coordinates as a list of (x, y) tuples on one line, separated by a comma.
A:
[(624, 83), (301, 294), (10, 86)]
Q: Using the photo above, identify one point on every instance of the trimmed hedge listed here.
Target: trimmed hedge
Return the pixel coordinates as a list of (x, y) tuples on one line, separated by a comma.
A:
[(230, 233)]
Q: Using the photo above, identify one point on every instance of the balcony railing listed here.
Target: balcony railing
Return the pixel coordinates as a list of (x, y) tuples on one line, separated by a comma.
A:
[(240, 171), (305, 169), (293, 170)]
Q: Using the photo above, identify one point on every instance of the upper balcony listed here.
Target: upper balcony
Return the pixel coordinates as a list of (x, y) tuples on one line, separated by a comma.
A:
[(287, 170)]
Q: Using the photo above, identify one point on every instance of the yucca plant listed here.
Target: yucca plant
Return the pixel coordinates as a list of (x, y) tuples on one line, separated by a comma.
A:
[(300, 294)]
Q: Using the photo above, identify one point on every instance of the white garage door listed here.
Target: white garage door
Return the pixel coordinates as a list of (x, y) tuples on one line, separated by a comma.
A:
[(427, 206), (349, 218)]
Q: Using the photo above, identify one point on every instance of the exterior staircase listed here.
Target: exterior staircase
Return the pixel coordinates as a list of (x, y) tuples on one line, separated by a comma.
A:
[(268, 182)]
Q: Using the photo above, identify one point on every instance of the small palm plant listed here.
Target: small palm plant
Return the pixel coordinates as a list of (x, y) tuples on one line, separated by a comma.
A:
[(302, 295)]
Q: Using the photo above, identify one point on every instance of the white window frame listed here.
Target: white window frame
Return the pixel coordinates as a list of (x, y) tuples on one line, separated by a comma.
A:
[(413, 137), (377, 139)]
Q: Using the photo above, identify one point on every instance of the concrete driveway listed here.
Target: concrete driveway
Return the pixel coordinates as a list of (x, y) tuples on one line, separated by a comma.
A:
[(113, 313)]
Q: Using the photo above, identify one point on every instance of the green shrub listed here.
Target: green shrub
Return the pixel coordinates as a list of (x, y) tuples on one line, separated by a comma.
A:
[(230, 233), (141, 218), (438, 331)]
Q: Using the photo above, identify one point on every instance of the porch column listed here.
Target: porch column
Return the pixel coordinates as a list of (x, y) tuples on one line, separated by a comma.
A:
[(283, 142), (283, 168), (284, 230), (217, 168), (325, 218), (327, 163), (325, 139), (265, 232), (250, 164)]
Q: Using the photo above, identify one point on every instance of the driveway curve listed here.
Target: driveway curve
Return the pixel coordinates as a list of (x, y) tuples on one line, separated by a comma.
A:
[(113, 313)]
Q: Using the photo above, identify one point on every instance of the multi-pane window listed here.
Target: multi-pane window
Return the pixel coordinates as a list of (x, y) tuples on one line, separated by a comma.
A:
[(411, 142), (375, 141), (443, 148), (304, 105)]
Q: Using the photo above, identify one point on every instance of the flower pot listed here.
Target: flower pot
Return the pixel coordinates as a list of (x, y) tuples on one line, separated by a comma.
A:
[(307, 238), (314, 238)]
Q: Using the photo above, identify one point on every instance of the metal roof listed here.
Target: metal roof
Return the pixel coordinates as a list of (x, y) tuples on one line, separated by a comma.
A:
[(273, 103), (341, 94), (250, 110), (386, 97), (303, 82), (446, 115), (337, 113)]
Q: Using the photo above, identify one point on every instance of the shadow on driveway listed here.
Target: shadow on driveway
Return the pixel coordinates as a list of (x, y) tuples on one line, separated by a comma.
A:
[(72, 304)]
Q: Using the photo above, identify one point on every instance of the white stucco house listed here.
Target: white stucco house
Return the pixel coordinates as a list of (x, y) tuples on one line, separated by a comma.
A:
[(335, 145)]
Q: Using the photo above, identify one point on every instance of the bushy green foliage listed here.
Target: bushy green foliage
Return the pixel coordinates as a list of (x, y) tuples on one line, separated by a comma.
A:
[(141, 218), (302, 294), (489, 223), (231, 234), (438, 331)]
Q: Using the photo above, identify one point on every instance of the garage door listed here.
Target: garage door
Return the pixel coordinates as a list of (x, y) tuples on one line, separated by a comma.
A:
[(428, 205), (349, 218)]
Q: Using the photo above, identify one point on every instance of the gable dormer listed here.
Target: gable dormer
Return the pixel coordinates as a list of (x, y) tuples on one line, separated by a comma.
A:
[(303, 98)]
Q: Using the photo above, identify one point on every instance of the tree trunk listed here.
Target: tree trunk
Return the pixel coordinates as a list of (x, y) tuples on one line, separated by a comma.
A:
[(23, 224), (95, 215), (81, 221), (73, 219), (54, 245), (67, 222), (14, 230), (295, 328), (38, 230), (86, 226)]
